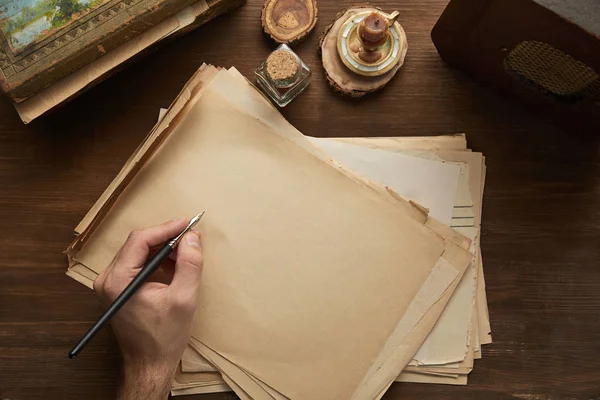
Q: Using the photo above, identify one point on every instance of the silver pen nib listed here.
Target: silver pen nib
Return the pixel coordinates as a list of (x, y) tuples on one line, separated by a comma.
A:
[(173, 243)]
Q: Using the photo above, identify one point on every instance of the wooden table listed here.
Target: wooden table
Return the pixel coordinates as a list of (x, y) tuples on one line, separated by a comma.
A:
[(541, 218)]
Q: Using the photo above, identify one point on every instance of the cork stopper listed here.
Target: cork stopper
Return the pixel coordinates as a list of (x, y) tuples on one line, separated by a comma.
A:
[(282, 67)]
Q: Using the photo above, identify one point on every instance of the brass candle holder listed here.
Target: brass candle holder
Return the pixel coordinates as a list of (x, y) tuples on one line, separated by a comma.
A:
[(362, 50), (371, 43)]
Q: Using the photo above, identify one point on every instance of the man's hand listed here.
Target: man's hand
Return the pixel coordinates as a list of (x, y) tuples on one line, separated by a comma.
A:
[(154, 326)]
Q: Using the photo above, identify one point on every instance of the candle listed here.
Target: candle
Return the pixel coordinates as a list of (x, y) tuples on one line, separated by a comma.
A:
[(373, 31)]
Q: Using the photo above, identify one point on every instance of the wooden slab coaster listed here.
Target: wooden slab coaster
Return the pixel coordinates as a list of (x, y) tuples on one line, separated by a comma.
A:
[(289, 21), (339, 76)]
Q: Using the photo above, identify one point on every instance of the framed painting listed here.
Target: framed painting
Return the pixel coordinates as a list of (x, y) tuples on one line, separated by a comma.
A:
[(42, 41), (26, 22)]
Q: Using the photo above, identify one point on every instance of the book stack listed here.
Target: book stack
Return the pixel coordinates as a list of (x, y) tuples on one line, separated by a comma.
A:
[(332, 267)]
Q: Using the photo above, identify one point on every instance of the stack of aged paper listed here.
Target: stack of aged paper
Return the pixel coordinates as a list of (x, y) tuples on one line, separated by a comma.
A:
[(347, 263)]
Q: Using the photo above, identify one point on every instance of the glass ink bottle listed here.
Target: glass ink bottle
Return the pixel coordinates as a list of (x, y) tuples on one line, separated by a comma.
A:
[(283, 75)]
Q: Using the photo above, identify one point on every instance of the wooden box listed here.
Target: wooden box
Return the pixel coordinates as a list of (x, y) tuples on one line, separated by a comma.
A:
[(43, 43), (543, 52)]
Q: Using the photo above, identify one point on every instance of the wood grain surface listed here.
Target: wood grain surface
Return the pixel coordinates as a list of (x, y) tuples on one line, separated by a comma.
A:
[(541, 215)]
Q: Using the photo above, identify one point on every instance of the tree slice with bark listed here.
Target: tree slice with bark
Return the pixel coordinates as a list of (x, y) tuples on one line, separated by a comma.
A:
[(340, 78), (289, 21)]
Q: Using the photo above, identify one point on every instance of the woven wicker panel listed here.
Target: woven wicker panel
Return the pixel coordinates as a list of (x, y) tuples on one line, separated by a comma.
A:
[(552, 71)]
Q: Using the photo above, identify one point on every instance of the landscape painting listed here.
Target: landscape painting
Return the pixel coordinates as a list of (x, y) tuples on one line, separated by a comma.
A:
[(26, 22)]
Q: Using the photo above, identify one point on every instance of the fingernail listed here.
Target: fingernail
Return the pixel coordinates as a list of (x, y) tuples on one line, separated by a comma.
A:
[(192, 239)]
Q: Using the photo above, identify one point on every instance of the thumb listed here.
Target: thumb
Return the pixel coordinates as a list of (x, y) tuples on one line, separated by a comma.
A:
[(188, 267)]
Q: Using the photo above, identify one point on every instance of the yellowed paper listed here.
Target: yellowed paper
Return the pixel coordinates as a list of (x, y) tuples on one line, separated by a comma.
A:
[(179, 106), (432, 184), (79, 277), (232, 373), (466, 199), (201, 390), (420, 378), (447, 142), (398, 353), (227, 221), (191, 361), (184, 380)]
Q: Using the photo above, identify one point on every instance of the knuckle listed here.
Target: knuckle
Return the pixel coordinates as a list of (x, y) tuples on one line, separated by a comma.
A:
[(108, 289), (98, 284), (146, 299), (182, 304), (193, 261), (134, 236)]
